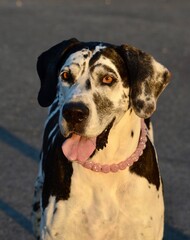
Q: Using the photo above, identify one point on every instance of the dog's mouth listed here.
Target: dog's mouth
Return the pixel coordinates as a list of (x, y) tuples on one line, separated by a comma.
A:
[(80, 148)]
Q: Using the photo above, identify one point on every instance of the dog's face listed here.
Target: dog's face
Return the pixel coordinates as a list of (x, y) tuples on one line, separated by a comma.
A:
[(93, 91), (97, 83)]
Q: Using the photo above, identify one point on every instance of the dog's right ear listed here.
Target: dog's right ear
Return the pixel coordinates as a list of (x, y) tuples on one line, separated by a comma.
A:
[(47, 66), (147, 79)]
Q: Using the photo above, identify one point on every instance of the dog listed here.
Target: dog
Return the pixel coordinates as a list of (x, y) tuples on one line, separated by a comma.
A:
[(99, 177)]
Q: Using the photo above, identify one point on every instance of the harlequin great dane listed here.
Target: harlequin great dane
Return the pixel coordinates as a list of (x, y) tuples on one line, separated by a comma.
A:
[(98, 177)]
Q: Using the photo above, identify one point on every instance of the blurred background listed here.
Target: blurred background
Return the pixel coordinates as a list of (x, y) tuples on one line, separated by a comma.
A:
[(29, 27)]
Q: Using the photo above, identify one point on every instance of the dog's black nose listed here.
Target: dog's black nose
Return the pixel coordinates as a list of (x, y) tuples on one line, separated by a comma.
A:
[(75, 112)]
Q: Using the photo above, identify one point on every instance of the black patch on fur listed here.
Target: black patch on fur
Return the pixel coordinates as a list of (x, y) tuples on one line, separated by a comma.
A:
[(57, 171), (36, 206), (132, 134), (147, 122), (85, 55), (83, 68), (55, 210), (166, 76), (139, 105), (95, 58), (124, 96), (88, 85), (102, 139), (49, 127), (54, 105), (147, 166), (149, 109), (103, 105)]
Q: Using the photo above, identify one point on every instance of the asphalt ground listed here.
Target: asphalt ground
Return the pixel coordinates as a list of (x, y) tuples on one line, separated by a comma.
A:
[(29, 27)]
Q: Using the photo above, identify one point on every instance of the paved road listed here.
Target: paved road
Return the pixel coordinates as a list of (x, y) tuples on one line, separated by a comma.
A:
[(29, 27)]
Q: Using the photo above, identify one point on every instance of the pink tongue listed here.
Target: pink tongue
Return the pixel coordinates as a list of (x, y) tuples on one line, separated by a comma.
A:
[(78, 148)]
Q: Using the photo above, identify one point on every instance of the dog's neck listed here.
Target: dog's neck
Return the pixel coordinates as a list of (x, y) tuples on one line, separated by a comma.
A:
[(122, 140)]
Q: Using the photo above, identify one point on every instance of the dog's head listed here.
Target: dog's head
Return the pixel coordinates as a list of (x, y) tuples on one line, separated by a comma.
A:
[(96, 83)]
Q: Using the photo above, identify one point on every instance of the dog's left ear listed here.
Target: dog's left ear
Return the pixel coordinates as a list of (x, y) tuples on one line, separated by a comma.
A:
[(147, 79), (47, 67)]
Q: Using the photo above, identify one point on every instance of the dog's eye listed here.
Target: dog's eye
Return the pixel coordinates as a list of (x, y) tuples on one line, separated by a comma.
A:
[(65, 75), (108, 79)]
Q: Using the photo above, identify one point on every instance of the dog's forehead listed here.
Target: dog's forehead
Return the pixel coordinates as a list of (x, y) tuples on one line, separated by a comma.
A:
[(78, 57), (85, 55)]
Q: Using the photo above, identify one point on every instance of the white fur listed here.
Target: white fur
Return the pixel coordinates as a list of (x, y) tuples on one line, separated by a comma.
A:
[(114, 206)]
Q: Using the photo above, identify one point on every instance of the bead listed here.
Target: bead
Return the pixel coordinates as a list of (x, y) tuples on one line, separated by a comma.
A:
[(134, 157), (142, 145), (114, 167), (88, 164), (130, 161), (122, 165), (139, 152), (106, 168), (142, 139), (96, 167)]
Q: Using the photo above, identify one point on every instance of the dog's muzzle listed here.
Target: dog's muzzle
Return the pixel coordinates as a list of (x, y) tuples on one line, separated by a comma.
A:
[(78, 146), (75, 114)]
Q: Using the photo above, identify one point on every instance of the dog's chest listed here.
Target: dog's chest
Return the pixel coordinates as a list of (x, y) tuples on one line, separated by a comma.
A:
[(104, 207)]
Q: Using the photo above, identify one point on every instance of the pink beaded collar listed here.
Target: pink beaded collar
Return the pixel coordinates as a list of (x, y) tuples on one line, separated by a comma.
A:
[(105, 168)]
